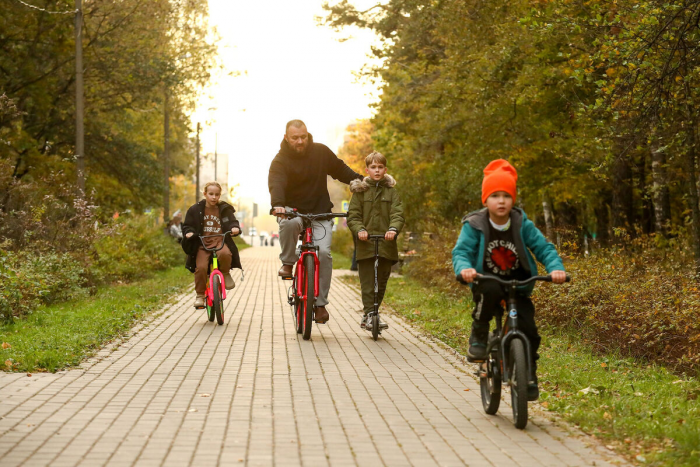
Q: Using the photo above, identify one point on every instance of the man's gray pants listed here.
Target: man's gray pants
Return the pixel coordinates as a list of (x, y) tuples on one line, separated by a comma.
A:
[(322, 232)]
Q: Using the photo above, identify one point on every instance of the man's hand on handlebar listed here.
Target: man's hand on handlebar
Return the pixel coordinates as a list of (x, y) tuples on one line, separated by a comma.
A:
[(468, 275), (363, 235), (558, 277), (235, 231), (390, 235), (189, 234), (279, 211)]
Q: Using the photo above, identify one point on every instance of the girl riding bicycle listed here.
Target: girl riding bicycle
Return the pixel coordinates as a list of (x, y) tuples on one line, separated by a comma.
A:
[(498, 240), (208, 217)]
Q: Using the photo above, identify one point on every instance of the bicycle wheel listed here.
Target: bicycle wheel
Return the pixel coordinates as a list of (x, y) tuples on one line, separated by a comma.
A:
[(375, 326), (308, 293), (491, 384), (218, 301), (518, 383), (298, 309)]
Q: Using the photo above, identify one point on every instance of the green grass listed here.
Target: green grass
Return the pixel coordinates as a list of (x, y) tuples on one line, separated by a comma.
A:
[(62, 335), (642, 411), (240, 243), (340, 261)]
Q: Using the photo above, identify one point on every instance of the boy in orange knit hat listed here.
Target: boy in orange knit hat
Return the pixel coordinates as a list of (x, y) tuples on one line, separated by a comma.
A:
[(500, 240)]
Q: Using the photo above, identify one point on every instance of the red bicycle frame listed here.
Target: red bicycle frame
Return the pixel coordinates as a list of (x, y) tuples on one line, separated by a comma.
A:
[(307, 249)]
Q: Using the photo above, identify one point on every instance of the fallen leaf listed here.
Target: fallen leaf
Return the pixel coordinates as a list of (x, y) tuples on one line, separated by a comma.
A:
[(636, 336), (545, 404), (29, 375), (8, 364), (607, 416), (640, 458), (466, 389), (603, 365), (680, 421), (5, 345), (589, 390)]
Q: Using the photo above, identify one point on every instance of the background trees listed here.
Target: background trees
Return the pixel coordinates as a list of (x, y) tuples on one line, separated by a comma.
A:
[(595, 103), (135, 52)]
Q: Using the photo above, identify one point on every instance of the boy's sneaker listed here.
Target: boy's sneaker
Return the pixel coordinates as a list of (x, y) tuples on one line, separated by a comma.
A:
[(199, 301), (363, 322), (228, 281), (533, 390), (477, 343)]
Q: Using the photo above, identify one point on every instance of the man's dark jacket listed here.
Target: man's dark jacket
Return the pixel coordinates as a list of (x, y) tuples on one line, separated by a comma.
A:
[(300, 180), (194, 222)]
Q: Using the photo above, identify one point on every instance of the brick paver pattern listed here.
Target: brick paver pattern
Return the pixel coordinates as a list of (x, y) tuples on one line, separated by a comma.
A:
[(184, 391)]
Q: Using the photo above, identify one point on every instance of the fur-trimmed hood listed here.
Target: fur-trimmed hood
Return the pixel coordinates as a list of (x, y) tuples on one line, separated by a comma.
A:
[(358, 186)]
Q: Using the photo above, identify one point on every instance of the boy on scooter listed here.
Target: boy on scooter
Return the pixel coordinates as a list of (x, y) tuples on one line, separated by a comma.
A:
[(375, 208), (498, 240)]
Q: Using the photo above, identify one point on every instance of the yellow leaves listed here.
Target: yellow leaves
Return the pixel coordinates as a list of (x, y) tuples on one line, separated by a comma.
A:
[(6, 346), (610, 71), (607, 416), (603, 365)]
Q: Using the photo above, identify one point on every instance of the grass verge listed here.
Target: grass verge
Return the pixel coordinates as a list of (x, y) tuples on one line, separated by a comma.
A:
[(340, 261), (642, 411), (57, 336)]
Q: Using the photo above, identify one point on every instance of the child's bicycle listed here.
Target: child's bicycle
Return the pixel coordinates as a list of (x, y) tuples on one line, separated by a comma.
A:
[(304, 289), (508, 356), (372, 323), (215, 293)]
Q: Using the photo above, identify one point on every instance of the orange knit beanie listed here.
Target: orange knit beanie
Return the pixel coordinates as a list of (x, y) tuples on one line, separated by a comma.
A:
[(499, 175)]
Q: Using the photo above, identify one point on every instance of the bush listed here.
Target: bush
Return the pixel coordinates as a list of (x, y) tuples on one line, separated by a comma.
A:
[(342, 242), (28, 280)]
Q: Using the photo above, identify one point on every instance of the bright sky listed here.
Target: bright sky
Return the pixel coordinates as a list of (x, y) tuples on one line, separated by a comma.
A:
[(292, 68)]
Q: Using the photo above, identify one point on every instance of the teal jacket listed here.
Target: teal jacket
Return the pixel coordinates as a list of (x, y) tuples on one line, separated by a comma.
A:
[(471, 245)]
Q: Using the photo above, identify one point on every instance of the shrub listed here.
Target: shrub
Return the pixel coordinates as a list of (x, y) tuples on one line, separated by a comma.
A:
[(342, 242)]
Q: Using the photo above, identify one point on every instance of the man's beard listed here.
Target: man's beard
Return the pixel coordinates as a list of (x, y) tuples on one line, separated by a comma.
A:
[(300, 151)]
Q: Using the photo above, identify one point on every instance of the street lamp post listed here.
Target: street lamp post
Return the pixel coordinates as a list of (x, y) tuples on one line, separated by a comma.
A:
[(79, 103)]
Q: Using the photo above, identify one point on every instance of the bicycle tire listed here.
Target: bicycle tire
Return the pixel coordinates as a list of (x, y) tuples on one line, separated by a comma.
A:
[(518, 386), (218, 301), (491, 386), (375, 326), (298, 310), (308, 292), (210, 312)]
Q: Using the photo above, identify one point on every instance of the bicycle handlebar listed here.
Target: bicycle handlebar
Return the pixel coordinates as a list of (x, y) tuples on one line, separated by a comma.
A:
[(516, 283), (312, 217), (214, 235)]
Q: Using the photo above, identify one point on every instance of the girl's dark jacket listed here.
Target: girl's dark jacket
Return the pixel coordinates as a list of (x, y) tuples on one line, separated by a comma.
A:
[(194, 222)]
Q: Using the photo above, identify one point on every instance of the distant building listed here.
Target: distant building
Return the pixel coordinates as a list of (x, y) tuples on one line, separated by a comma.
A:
[(208, 174)]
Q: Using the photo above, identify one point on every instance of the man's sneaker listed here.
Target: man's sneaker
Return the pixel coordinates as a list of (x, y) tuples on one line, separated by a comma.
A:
[(363, 322), (533, 390), (228, 281), (477, 342), (199, 301)]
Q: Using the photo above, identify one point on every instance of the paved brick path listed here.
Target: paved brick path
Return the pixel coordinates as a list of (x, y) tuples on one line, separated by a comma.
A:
[(183, 391)]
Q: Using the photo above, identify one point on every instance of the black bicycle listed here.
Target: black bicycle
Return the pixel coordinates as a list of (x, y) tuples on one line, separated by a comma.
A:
[(508, 356)]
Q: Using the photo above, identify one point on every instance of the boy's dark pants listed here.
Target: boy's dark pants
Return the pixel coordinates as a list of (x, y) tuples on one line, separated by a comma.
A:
[(366, 268), (487, 300)]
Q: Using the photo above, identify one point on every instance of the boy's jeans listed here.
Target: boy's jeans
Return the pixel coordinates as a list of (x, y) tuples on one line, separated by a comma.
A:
[(323, 232), (487, 299), (366, 268)]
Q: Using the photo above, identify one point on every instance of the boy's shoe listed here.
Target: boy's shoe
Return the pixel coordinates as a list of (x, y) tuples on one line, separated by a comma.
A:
[(367, 323), (533, 390), (363, 322), (199, 301), (477, 343), (228, 281)]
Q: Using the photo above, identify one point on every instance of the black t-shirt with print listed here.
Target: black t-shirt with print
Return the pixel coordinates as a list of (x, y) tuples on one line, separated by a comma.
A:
[(501, 257)]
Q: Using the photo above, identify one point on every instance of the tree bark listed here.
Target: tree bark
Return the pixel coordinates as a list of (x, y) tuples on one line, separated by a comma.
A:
[(548, 221), (660, 193), (622, 196), (166, 160), (693, 198)]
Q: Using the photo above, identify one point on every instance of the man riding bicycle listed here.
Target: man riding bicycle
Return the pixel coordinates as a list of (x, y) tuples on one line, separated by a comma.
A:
[(298, 179)]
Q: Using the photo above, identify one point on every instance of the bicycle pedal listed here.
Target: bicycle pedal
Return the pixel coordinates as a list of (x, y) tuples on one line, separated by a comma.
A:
[(287, 278), (199, 307), (475, 360)]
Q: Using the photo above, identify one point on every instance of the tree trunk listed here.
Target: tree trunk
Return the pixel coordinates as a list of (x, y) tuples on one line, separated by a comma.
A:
[(693, 198), (659, 193), (548, 221), (166, 160), (602, 216), (622, 196)]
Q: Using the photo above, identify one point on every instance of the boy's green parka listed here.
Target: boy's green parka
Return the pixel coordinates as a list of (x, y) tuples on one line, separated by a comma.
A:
[(376, 208)]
